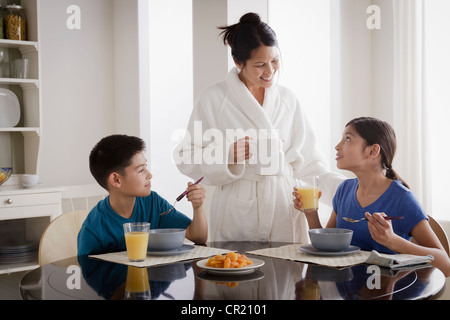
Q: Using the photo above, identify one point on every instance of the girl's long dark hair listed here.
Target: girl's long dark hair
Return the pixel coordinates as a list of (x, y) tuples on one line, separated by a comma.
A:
[(375, 131)]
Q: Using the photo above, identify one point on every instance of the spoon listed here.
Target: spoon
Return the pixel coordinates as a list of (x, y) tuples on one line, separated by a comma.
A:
[(181, 196), (385, 218)]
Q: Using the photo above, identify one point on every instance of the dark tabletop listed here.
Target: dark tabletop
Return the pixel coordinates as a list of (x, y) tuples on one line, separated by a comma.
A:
[(85, 278)]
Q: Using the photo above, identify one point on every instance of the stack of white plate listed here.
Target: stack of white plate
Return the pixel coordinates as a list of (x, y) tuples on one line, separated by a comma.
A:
[(17, 251)]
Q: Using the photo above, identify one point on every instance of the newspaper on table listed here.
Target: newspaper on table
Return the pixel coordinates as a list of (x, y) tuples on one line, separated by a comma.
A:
[(397, 261)]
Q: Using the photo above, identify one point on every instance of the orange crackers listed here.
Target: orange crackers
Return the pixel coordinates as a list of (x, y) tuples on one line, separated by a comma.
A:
[(229, 260)]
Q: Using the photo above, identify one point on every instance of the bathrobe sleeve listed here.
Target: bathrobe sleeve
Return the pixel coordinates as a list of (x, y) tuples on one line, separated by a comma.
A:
[(303, 154), (204, 150)]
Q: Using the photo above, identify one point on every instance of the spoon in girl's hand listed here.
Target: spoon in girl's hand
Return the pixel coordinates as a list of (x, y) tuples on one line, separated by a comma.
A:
[(385, 218)]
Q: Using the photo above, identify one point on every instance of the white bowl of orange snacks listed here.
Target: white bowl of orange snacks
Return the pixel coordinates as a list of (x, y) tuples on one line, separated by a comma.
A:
[(231, 262)]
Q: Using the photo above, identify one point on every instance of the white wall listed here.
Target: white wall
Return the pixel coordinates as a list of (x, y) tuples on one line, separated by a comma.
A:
[(77, 85), (306, 56), (125, 51), (210, 55), (171, 92), (91, 82), (382, 64), (352, 54), (438, 101)]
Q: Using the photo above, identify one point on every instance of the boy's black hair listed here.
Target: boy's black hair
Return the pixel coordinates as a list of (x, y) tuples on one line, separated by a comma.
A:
[(113, 154)]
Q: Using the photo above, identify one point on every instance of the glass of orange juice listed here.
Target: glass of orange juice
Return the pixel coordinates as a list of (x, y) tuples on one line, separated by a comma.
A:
[(309, 194), (136, 240)]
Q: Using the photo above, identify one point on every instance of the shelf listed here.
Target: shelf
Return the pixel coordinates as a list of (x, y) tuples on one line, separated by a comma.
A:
[(18, 267), (24, 130), (23, 46), (24, 83), (40, 204)]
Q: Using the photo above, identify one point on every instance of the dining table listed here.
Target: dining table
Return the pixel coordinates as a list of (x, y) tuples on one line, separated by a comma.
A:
[(187, 279)]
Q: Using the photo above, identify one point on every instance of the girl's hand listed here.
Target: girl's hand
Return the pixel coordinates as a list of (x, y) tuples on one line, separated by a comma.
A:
[(196, 195), (297, 199), (297, 202), (381, 229)]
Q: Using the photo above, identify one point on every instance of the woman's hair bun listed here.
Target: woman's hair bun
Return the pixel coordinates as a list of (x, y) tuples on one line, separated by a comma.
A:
[(247, 35), (250, 18)]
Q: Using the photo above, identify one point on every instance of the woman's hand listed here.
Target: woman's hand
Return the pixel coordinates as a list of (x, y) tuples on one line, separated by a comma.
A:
[(381, 229), (240, 150)]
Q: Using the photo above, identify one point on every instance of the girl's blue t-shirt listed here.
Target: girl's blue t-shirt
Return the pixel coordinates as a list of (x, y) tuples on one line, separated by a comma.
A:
[(397, 200), (102, 231)]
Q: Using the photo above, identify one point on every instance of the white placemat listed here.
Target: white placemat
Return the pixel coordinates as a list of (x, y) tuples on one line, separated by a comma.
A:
[(293, 252), (197, 252)]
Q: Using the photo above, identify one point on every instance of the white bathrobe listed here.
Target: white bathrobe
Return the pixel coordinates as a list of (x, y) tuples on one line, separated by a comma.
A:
[(246, 206)]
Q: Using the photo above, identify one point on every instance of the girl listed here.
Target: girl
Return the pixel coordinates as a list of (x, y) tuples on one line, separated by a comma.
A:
[(367, 149)]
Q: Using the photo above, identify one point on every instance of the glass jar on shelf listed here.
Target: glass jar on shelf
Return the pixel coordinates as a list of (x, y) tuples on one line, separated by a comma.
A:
[(2, 16), (14, 23)]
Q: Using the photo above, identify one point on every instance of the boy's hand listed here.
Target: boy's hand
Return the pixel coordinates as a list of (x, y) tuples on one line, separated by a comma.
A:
[(196, 194)]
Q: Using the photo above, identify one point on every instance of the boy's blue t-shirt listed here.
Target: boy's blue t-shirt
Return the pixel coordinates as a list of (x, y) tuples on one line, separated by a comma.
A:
[(102, 231), (397, 200)]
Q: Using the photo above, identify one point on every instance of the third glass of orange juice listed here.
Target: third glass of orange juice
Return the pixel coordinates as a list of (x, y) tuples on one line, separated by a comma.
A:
[(136, 240)]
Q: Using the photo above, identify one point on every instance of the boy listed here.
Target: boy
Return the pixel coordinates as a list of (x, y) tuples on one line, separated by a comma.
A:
[(119, 165)]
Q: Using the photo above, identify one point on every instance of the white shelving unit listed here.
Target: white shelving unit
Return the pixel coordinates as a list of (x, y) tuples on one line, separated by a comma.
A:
[(23, 150), (25, 212)]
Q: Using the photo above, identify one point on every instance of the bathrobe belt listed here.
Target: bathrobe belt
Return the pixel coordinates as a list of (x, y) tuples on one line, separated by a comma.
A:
[(250, 175)]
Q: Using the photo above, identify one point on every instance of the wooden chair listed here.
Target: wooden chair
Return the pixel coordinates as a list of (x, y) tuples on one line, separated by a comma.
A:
[(440, 233), (59, 240), (82, 197)]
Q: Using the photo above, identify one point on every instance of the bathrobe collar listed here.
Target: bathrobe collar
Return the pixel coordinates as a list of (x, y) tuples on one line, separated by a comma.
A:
[(260, 115)]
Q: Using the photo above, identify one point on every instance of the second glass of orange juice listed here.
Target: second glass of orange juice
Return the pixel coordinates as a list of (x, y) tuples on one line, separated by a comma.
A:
[(136, 240), (309, 195)]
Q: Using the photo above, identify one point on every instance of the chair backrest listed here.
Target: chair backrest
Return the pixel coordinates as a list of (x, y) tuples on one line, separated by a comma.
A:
[(440, 233), (81, 197), (59, 240)]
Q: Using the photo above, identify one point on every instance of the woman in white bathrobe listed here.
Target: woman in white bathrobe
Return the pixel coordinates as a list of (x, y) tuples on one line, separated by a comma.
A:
[(228, 120)]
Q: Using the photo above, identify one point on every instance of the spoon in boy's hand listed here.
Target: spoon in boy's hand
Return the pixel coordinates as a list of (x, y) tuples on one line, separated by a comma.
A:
[(181, 196)]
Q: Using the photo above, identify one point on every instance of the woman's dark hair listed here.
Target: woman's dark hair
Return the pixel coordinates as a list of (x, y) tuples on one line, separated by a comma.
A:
[(113, 154), (375, 131), (247, 35)]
